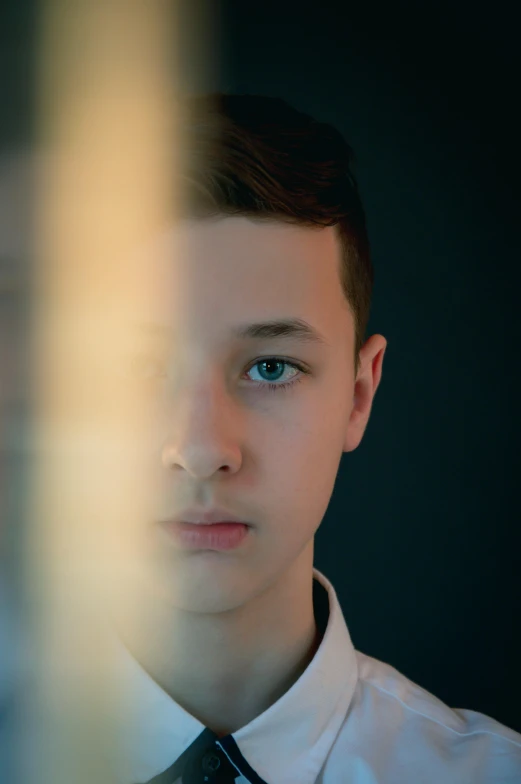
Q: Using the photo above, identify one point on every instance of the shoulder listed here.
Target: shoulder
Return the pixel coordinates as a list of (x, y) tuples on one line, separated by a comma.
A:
[(396, 731)]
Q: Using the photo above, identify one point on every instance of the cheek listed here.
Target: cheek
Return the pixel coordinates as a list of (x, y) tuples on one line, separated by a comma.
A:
[(302, 475)]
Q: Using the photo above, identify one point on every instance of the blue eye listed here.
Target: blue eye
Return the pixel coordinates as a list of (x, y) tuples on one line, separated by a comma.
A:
[(274, 361)]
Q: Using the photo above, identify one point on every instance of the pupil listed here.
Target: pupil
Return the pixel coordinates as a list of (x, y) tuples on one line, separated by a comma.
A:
[(272, 363)]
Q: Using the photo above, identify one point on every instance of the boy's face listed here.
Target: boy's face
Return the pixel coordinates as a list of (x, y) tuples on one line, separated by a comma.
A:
[(223, 438)]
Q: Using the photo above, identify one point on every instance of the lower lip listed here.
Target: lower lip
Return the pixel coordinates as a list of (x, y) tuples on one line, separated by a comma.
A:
[(218, 536)]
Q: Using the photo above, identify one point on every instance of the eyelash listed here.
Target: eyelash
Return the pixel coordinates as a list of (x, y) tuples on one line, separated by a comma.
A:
[(270, 386), (278, 387)]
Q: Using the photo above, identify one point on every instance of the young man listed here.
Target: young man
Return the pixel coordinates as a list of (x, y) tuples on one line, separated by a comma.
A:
[(262, 378)]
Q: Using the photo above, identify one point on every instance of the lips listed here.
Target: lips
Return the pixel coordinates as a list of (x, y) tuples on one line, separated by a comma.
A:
[(214, 536), (205, 516)]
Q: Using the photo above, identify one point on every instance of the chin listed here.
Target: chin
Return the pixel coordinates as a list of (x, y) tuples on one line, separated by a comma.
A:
[(198, 588)]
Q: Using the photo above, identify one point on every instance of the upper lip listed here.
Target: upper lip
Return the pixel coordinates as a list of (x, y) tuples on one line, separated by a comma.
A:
[(205, 516)]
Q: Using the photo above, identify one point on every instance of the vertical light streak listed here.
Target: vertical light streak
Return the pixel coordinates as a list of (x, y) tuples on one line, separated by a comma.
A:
[(108, 138)]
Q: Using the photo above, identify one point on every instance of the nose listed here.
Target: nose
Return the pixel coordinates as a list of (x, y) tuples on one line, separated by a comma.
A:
[(205, 436)]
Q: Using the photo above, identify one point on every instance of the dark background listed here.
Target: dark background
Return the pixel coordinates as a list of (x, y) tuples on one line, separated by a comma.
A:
[(422, 536)]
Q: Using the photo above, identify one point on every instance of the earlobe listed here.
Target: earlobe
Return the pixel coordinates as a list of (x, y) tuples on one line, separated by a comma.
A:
[(355, 429)]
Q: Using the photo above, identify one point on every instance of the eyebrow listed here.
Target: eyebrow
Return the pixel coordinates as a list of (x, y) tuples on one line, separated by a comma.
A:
[(290, 328)]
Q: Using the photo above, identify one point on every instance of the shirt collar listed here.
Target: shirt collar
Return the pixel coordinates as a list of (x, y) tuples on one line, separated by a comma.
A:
[(288, 742)]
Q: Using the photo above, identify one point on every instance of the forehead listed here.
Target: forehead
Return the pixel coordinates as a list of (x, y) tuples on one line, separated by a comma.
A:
[(232, 232), (209, 271)]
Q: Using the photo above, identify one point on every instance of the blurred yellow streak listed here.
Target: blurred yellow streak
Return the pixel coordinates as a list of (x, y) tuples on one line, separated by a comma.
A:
[(108, 137)]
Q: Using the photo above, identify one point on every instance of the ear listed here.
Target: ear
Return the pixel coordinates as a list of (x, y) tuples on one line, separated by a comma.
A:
[(366, 384)]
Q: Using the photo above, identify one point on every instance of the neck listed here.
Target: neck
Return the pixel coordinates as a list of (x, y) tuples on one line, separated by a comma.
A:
[(226, 669)]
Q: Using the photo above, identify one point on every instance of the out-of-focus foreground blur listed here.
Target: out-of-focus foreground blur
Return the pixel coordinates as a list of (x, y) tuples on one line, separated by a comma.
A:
[(74, 211)]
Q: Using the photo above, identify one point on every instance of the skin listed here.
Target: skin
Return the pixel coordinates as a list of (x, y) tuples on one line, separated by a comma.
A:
[(228, 633)]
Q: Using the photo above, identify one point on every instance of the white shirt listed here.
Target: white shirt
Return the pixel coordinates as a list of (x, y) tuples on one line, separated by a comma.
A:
[(348, 719)]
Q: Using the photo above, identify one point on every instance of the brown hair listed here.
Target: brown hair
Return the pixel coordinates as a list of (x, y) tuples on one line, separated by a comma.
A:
[(257, 156)]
